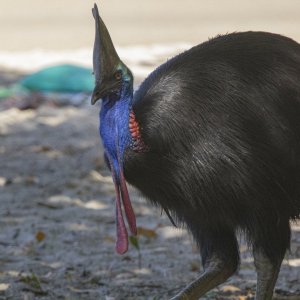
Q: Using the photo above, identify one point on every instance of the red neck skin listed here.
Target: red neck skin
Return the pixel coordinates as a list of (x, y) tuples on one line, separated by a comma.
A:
[(137, 144)]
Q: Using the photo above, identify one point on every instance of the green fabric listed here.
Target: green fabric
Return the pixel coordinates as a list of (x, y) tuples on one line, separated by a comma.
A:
[(12, 90), (61, 78), (5, 92)]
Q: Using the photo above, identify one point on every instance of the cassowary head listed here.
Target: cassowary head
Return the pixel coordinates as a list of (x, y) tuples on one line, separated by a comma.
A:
[(111, 74), (114, 85)]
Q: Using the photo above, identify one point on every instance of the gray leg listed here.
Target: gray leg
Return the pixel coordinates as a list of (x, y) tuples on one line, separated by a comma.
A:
[(267, 273), (271, 243), (220, 259), (215, 273)]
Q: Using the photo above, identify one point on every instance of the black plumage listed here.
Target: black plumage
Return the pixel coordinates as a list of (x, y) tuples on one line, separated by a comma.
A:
[(222, 121)]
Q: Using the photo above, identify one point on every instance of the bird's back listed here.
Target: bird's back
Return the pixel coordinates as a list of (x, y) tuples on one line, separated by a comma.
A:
[(254, 71), (221, 121)]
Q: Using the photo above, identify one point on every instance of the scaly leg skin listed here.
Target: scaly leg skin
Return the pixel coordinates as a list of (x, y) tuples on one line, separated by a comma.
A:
[(216, 273), (267, 273), (220, 259)]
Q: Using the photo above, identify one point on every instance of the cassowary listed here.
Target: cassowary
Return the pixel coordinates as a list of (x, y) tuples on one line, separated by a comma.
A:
[(213, 137)]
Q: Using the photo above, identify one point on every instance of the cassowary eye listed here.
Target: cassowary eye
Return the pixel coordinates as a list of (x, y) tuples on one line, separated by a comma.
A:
[(118, 75)]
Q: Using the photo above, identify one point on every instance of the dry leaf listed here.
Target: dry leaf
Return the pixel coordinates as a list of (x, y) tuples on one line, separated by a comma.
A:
[(230, 289), (41, 148), (40, 236), (194, 266), (149, 233)]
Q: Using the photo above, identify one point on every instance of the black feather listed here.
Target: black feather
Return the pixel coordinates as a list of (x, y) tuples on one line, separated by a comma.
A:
[(222, 123)]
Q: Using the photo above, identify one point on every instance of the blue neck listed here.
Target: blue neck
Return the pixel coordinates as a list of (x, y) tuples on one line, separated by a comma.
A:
[(114, 127)]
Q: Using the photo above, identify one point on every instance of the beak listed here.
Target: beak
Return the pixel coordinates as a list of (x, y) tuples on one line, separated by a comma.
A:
[(104, 88), (99, 92), (105, 57), (95, 96)]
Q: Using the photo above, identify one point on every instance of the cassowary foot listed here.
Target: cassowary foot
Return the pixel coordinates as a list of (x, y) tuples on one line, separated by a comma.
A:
[(215, 273)]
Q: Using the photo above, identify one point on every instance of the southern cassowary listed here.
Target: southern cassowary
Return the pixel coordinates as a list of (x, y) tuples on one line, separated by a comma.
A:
[(213, 137)]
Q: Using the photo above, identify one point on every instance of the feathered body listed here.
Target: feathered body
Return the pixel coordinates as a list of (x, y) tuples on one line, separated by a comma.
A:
[(213, 137), (222, 123)]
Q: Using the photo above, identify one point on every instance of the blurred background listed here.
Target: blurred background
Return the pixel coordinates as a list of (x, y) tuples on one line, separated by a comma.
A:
[(67, 24), (45, 29), (57, 227)]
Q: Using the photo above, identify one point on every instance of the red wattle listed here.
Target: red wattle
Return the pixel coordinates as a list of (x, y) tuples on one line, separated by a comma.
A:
[(122, 235), (134, 134), (127, 204)]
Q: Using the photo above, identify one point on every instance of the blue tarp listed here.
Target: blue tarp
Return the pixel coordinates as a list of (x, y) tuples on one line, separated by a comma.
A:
[(62, 78)]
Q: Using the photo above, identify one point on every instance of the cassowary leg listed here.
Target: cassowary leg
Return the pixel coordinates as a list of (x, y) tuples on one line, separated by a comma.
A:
[(268, 251), (220, 259), (267, 273)]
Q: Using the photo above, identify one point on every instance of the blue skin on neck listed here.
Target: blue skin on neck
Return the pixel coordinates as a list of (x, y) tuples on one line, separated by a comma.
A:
[(114, 125)]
